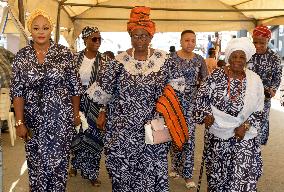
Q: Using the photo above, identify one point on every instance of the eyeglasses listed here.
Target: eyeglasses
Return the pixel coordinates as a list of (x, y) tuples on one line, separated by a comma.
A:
[(96, 39), (142, 37)]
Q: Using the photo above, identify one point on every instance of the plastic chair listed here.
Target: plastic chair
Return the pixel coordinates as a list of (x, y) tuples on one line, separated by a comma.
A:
[(5, 114)]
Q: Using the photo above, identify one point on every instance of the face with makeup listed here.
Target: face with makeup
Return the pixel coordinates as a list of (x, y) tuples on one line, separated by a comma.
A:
[(41, 30)]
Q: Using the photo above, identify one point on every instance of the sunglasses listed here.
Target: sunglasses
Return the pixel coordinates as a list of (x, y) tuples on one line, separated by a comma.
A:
[(96, 39)]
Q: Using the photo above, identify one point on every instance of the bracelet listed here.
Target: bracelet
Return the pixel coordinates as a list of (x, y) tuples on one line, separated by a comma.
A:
[(18, 123), (102, 109), (247, 126), (77, 117)]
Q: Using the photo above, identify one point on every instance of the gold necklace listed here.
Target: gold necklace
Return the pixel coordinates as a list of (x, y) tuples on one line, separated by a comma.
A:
[(39, 52), (148, 53), (43, 52)]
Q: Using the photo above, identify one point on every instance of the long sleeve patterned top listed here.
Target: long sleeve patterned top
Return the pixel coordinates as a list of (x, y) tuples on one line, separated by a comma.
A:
[(215, 91)]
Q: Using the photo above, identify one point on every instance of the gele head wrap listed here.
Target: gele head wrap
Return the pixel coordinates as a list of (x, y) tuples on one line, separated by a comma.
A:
[(139, 19), (243, 44), (35, 13), (261, 31), (87, 31)]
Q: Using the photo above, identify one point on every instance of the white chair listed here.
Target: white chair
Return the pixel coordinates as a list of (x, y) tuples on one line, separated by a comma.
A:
[(5, 114)]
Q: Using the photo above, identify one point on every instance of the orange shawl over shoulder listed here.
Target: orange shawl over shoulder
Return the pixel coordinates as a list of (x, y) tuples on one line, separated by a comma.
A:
[(168, 105)]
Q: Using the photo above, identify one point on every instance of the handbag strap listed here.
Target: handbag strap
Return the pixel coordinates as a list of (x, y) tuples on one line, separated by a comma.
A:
[(81, 128)]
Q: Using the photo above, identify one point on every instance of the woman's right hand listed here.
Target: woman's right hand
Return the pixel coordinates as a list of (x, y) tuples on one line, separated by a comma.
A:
[(22, 132), (101, 120), (208, 121)]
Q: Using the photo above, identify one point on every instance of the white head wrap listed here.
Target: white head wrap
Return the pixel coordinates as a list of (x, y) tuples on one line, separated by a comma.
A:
[(243, 44)]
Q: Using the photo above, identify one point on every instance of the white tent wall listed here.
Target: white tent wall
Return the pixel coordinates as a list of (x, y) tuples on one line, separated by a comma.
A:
[(169, 15)]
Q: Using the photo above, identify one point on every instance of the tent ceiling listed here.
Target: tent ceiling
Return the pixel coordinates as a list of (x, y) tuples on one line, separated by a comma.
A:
[(169, 15)]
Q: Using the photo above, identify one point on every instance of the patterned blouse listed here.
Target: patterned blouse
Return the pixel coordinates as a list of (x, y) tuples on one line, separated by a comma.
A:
[(194, 72), (215, 92), (131, 89), (268, 67), (46, 88)]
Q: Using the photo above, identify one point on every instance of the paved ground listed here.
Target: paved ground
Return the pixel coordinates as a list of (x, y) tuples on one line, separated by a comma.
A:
[(15, 177)]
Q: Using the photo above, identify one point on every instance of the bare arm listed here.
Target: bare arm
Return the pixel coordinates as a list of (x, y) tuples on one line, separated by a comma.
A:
[(76, 109), (18, 103), (21, 130)]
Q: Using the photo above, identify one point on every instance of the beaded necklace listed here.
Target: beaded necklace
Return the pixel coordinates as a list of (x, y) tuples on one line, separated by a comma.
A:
[(148, 53), (144, 66)]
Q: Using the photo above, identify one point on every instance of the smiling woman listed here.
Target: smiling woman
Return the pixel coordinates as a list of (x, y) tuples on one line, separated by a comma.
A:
[(230, 103), (123, 84), (46, 90)]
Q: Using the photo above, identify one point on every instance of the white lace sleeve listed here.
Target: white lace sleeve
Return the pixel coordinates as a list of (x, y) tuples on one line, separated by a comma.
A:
[(178, 84), (96, 93)]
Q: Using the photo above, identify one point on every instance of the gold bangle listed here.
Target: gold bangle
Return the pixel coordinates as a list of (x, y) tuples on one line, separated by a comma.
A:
[(102, 109), (18, 123), (247, 126)]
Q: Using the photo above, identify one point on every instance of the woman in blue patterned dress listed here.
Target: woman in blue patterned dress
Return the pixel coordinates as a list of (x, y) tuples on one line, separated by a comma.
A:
[(230, 103), (267, 65), (131, 85), (194, 70), (46, 91), (88, 61)]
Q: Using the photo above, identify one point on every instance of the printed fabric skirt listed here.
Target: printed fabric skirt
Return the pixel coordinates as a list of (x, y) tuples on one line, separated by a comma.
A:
[(231, 165)]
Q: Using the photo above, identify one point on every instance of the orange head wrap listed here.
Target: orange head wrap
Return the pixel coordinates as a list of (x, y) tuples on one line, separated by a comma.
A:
[(262, 31), (139, 19)]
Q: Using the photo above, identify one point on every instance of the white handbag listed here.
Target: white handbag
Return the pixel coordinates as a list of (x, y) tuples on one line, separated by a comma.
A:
[(156, 132)]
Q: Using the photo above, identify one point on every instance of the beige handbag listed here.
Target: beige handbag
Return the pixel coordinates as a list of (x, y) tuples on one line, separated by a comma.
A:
[(156, 132)]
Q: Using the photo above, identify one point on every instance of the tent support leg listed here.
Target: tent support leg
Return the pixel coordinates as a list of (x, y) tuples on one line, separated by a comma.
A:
[(21, 12), (57, 32)]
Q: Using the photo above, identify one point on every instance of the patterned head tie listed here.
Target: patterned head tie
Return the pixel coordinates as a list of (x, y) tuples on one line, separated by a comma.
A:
[(35, 13), (243, 44), (261, 31), (88, 31), (139, 19)]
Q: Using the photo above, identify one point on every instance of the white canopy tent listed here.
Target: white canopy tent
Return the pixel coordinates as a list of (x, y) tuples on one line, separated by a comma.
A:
[(170, 15)]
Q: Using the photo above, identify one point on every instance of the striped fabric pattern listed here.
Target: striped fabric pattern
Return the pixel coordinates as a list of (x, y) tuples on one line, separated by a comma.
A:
[(168, 105)]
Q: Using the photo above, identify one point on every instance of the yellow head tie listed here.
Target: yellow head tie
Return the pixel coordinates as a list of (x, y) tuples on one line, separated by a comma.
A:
[(34, 14)]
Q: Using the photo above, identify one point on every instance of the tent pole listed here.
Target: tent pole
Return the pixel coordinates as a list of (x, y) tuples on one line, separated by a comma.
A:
[(57, 32), (21, 12)]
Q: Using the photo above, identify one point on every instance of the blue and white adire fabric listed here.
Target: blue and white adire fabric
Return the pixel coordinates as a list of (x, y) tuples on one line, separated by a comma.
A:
[(231, 165), (131, 89), (86, 159), (87, 31), (47, 89), (194, 71), (268, 67)]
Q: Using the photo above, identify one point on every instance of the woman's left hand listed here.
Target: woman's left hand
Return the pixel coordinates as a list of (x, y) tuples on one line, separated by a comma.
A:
[(77, 120), (272, 92), (240, 132)]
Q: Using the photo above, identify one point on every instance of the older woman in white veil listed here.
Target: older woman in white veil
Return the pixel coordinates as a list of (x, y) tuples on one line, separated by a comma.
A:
[(230, 103)]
